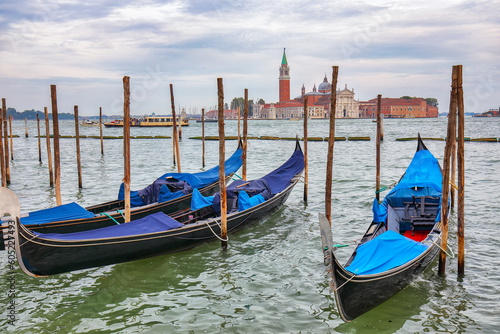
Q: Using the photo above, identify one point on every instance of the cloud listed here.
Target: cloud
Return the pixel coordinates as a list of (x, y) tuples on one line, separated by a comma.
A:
[(390, 47)]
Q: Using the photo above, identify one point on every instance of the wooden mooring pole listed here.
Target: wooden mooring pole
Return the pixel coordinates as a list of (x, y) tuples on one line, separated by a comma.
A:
[(245, 136), (126, 145), (11, 146), (6, 142), (39, 143), (176, 139), (49, 154), (180, 125), (100, 130), (450, 137), (239, 118), (306, 169), (2, 156), (222, 174), (78, 158), (26, 127), (331, 141), (203, 136), (461, 176), (379, 136), (57, 159)]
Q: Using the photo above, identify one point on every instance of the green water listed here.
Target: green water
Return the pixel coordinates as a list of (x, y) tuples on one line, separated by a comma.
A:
[(271, 279)]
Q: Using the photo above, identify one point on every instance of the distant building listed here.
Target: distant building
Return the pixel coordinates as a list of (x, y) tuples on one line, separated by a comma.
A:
[(398, 108), (228, 114), (318, 100), (490, 113)]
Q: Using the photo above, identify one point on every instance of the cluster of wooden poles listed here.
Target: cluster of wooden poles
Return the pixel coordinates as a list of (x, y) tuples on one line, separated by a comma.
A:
[(451, 151), (4, 145), (456, 106), (222, 177)]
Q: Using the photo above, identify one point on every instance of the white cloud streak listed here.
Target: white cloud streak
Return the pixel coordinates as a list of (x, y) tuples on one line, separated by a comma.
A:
[(389, 47)]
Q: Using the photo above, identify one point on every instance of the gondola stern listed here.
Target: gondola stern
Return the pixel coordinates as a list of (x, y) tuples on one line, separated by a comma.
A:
[(333, 267), (297, 144), (11, 226), (420, 145)]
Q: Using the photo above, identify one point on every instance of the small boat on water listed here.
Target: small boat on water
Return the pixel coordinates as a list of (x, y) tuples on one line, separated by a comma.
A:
[(43, 254), (88, 122), (169, 193), (207, 120), (400, 242), (148, 121)]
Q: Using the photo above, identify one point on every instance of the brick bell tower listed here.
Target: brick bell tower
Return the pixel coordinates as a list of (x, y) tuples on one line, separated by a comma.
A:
[(284, 80)]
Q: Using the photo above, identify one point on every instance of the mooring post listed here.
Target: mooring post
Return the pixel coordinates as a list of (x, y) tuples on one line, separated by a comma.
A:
[(57, 159), (306, 168), (78, 159), (461, 176), (222, 174), (245, 136), (453, 172), (450, 137), (379, 138), (6, 141), (11, 148), (176, 139), (26, 126), (49, 154), (239, 117), (180, 125), (39, 143), (126, 145), (2, 156), (331, 141), (203, 136), (100, 130)]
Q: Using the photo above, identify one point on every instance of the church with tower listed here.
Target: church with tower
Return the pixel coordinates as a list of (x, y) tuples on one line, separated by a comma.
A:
[(318, 100)]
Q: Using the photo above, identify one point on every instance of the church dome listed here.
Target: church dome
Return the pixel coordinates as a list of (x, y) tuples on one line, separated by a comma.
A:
[(325, 85)]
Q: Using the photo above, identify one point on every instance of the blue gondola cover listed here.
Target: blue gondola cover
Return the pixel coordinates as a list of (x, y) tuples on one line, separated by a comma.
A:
[(156, 222), (388, 250), (61, 212), (154, 192)]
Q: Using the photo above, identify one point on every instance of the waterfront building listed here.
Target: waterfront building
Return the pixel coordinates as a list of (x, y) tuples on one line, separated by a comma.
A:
[(398, 108), (318, 100)]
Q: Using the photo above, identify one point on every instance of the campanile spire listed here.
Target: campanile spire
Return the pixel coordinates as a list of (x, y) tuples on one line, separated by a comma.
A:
[(284, 79)]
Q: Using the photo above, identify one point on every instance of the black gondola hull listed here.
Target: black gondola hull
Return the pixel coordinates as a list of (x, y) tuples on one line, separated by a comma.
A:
[(358, 294), (85, 224), (44, 257)]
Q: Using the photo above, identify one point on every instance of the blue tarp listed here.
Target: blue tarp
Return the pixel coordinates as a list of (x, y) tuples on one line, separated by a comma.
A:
[(246, 202), (199, 201), (293, 166), (424, 173), (156, 222), (61, 212), (386, 251), (194, 180), (251, 193)]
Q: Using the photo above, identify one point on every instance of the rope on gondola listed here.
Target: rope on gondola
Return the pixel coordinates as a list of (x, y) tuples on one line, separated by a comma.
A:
[(354, 275), (104, 213), (119, 211), (237, 176), (392, 185), (452, 255), (28, 241), (208, 221)]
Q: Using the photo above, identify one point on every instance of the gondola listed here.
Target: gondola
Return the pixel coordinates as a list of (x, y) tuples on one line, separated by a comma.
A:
[(169, 193), (43, 254), (400, 242)]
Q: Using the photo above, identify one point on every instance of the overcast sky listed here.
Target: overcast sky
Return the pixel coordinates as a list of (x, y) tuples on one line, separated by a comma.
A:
[(392, 48)]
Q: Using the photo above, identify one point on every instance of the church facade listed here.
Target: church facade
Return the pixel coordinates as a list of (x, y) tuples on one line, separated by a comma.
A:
[(318, 100)]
